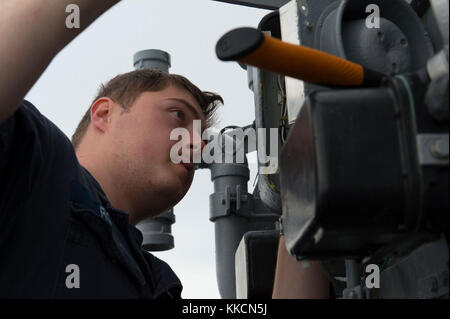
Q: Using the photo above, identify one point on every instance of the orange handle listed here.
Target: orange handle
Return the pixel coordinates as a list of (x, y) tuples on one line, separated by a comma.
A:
[(250, 46), (304, 63)]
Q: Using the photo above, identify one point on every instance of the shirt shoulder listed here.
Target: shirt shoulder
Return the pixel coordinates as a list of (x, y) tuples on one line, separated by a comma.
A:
[(36, 159), (28, 140)]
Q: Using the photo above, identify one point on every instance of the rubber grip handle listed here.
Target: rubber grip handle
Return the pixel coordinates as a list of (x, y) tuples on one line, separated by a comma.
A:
[(250, 46)]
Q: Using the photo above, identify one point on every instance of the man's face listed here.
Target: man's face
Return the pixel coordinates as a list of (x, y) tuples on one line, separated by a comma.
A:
[(140, 142)]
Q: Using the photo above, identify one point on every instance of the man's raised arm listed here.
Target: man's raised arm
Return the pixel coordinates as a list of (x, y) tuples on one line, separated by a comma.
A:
[(32, 33)]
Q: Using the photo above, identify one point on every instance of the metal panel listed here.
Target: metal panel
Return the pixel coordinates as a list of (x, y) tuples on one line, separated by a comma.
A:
[(440, 10), (290, 32), (423, 274)]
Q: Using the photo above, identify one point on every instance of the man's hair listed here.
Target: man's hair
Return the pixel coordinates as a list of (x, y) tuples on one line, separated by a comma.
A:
[(126, 88)]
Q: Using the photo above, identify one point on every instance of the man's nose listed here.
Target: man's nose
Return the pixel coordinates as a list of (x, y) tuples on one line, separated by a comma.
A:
[(196, 143), (193, 149)]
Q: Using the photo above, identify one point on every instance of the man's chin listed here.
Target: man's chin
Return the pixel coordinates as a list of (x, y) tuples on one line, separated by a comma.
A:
[(174, 194), (185, 177)]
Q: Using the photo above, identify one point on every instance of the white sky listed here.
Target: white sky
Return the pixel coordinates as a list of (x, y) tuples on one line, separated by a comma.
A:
[(188, 30)]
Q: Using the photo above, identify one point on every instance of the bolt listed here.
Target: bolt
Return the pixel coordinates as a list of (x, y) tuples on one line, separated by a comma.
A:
[(308, 25), (380, 35), (439, 148)]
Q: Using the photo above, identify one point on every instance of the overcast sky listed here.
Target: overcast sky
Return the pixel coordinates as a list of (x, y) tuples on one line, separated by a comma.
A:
[(188, 30)]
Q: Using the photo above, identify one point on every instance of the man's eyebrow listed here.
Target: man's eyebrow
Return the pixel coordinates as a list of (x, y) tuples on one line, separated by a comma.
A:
[(189, 106)]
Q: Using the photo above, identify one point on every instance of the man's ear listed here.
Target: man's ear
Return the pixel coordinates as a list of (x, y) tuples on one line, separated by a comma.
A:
[(101, 112)]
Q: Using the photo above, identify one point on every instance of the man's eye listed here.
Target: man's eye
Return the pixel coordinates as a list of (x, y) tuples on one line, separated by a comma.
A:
[(179, 114)]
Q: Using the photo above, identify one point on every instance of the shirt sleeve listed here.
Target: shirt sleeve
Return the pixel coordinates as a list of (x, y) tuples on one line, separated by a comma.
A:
[(24, 140), (37, 164)]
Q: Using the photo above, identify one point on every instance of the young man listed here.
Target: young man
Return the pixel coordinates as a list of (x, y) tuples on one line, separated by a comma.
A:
[(68, 212)]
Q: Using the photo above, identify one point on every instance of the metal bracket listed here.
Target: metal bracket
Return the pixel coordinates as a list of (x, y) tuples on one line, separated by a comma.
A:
[(433, 149), (227, 202), (440, 10), (290, 32)]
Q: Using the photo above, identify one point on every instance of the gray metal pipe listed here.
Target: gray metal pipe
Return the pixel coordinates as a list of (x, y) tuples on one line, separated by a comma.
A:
[(157, 231), (152, 59)]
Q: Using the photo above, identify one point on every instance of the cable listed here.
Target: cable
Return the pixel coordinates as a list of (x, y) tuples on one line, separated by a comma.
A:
[(412, 107), (284, 116)]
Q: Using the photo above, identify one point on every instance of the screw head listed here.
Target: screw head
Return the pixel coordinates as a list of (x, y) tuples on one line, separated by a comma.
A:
[(439, 148)]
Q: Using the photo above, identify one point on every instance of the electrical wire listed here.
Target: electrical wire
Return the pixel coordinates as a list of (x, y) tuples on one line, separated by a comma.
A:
[(284, 116)]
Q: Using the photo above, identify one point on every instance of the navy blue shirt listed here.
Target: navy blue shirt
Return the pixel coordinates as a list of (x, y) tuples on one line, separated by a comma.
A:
[(54, 216)]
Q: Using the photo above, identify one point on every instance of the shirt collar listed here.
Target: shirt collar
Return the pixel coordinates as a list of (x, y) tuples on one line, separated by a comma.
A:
[(101, 196)]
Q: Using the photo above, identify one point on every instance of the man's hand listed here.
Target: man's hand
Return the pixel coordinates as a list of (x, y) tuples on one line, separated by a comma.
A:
[(32, 33), (295, 281)]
